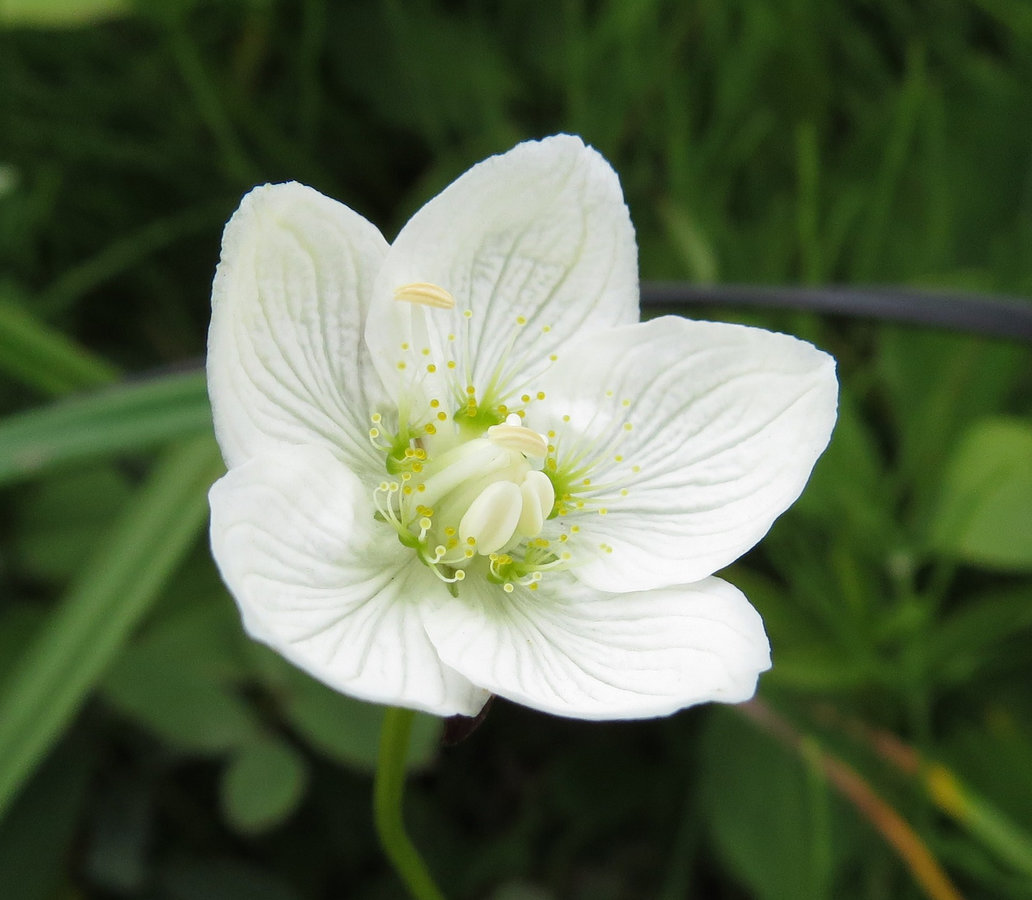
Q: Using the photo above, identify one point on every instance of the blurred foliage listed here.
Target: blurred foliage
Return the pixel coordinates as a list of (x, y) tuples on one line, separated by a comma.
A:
[(148, 749)]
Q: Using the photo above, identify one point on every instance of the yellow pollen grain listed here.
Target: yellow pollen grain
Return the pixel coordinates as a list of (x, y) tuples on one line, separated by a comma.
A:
[(635, 468), (552, 357), (401, 365), (545, 329), (618, 458), (521, 320), (586, 482), (425, 351), (376, 418), (609, 393), (417, 467), (508, 588), (434, 404), (566, 418), (625, 402), (574, 529), (451, 337), (469, 553), (425, 523), (431, 368), (525, 398), (374, 432), (602, 511), (452, 543), (451, 363), (420, 487), (405, 346), (407, 490), (563, 538), (627, 426), (449, 531), (472, 540), (441, 416), (623, 492), (470, 390), (540, 395), (533, 586), (467, 313), (406, 476), (460, 575), (430, 428)]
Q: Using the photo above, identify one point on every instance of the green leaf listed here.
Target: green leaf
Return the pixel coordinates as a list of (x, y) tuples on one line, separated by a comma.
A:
[(57, 520), (938, 385), (984, 513), (117, 420), (262, 785), (968, 642), (42, 357), (770, 818), (181, 705), (348, 730), (179, 678), (59, 13), (113, 592)]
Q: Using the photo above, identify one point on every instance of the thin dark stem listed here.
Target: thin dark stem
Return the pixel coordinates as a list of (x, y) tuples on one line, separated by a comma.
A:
[(973, 313)]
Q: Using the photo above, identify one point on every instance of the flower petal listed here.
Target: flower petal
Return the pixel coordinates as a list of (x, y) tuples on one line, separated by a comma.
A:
[(328, 587), (287, 363), (693, 437), (573, 651), (540, 234)]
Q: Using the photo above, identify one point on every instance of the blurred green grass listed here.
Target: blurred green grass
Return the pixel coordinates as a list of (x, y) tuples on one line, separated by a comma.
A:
[(779, 143)]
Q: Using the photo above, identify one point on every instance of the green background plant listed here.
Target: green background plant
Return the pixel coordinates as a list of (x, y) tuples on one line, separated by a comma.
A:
[(148, 749)]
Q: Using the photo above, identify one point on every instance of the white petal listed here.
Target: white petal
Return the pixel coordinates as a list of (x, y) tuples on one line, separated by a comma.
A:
[(726, 423), (540, 232), (328, 587), (573, 651), (287, 362)]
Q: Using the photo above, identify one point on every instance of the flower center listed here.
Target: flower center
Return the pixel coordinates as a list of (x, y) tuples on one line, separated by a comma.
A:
[(458, 500), (469, 487)]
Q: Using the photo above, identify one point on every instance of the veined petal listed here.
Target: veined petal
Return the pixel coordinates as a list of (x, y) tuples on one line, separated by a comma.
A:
[(287, 362), (328, 587), (684, 441), (573, 651), (535, 245)]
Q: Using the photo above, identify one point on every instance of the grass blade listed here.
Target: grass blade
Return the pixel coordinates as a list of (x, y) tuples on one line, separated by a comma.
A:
[(117, 420), (45, 359), (99, 611)]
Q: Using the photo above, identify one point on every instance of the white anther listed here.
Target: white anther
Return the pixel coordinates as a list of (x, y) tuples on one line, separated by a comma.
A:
[(538, 498), (492, 518), (425, 294), (519, 438)]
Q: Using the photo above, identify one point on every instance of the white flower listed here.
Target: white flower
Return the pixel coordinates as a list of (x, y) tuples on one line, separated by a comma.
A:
[(459, 465)]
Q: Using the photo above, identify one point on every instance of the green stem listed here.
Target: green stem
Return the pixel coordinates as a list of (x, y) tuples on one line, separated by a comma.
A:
[(388, 789)]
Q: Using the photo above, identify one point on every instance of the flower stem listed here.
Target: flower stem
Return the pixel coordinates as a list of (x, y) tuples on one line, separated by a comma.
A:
[(388, 790)]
